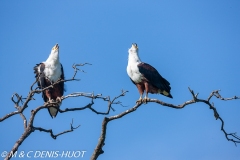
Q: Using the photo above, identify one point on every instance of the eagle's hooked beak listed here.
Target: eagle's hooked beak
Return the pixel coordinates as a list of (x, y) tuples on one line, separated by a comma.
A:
[(56, 47), (135, 45)]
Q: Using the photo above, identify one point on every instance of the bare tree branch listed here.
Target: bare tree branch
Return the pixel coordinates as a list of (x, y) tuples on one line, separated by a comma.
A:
[(92, 96), (21, 104), (28, 125), (229, 136), (77, 69), (20, 109), (27, 131), (51, 132), (101, 141)]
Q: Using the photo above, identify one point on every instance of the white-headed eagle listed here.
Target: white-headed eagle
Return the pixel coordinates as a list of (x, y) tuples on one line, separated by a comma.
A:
[(49, 72), (145, 77)]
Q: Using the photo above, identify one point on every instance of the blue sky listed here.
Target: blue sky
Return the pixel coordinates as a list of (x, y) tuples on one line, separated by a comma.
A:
[(191, 43)]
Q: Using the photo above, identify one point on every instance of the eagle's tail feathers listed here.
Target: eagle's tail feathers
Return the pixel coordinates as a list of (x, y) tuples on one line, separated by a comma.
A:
[(53, 110)]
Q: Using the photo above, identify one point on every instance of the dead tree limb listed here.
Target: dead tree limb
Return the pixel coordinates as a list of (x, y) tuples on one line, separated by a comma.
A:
[(54, 136), (21, 104), (33, 91), (229, 136), (92, 97)]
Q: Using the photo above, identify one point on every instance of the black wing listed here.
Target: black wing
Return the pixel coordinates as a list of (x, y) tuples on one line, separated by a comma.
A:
[(41, 78), (152, 75), (61, 84)]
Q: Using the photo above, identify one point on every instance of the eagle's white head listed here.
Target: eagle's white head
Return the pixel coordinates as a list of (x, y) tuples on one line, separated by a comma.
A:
[(133, 54), (134, 48), (54, 55)]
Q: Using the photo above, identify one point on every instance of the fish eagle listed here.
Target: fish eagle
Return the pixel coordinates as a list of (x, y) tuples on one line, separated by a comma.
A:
[(145, 77), (48, 73)]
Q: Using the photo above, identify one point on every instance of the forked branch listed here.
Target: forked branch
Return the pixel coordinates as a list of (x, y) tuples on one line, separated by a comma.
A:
[(233, 137), (92, 97), (22, 103), (54, 136)]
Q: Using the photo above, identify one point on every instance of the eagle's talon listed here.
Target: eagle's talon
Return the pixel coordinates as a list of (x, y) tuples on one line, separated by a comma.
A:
[(139, 101), (59, 99), (145, 100), (51, 100)]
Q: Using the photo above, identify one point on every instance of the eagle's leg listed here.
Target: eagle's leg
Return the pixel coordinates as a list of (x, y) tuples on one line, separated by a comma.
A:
[(140, 99), (145, 99), (146, 96), (49, 97), (140, 87)]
